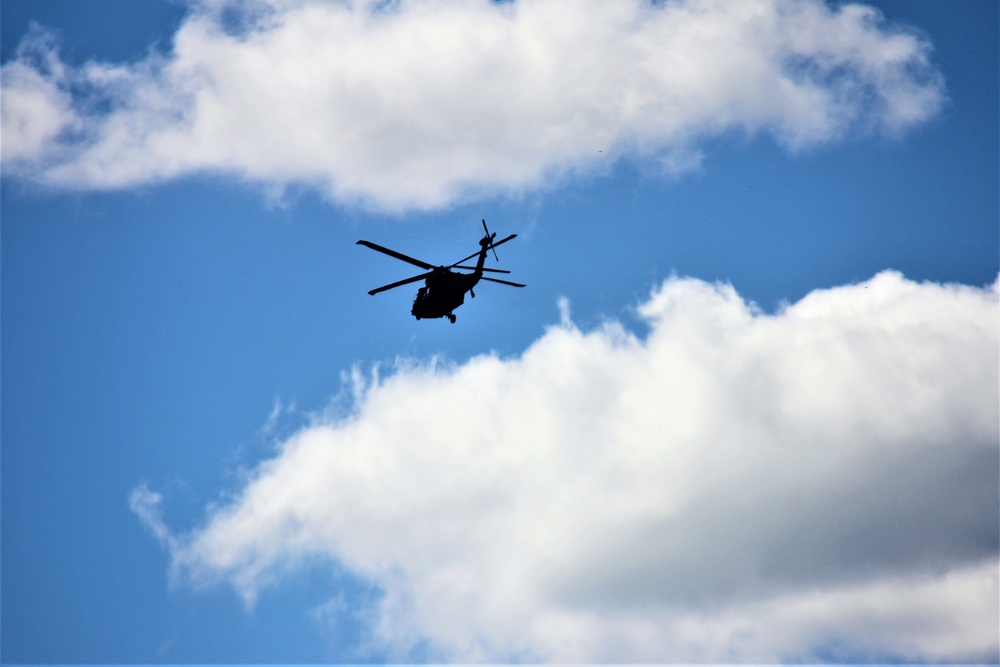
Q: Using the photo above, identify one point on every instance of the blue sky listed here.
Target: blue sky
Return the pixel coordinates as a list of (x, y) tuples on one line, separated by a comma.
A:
[(745, 409)]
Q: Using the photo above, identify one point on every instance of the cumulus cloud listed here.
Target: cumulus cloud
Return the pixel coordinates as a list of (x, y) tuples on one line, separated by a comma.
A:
[(401, 105), (731, 486)]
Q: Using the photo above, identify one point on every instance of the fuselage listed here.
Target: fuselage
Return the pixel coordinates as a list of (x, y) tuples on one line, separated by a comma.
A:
[(442, 294), (444, 290)]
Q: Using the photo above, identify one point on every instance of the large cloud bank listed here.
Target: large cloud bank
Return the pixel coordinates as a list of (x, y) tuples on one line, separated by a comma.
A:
[(731, 486), (407, 104)]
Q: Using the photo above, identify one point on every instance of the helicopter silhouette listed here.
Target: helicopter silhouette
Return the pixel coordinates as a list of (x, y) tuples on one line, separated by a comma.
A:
[(444, 290)]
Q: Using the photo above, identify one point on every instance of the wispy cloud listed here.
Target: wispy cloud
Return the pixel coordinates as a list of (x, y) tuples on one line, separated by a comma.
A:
[(733, 486), (419, 104), (147, 505)]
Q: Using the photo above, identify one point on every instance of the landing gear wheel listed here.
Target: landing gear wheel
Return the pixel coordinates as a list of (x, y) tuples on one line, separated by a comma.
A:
[(451, 318)]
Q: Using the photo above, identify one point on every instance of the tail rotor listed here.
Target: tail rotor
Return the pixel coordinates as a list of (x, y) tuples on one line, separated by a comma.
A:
[(489, 240)]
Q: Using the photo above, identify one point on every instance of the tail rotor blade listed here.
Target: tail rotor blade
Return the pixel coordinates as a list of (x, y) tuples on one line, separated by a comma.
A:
[(492, 247)]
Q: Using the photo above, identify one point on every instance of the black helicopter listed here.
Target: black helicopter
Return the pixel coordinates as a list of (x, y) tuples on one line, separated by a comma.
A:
[(444, 290)]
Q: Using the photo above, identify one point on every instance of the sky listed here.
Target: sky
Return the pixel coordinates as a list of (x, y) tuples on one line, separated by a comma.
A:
[(745, 409)]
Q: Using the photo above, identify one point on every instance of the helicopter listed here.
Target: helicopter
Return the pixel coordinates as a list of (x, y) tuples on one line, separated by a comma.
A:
[(444, 290)]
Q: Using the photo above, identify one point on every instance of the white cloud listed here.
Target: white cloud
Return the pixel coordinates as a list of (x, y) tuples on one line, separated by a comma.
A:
[(418, 104), (36, 106), (733, 486)]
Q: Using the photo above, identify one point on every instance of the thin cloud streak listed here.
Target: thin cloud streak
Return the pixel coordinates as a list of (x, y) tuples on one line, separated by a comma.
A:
[(733, 486), (419, 105)]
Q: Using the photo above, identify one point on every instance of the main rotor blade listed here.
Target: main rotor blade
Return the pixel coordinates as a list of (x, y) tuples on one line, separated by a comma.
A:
[(475, 254), (504, 282), (397, 255), (472, 268), (399, 283)]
